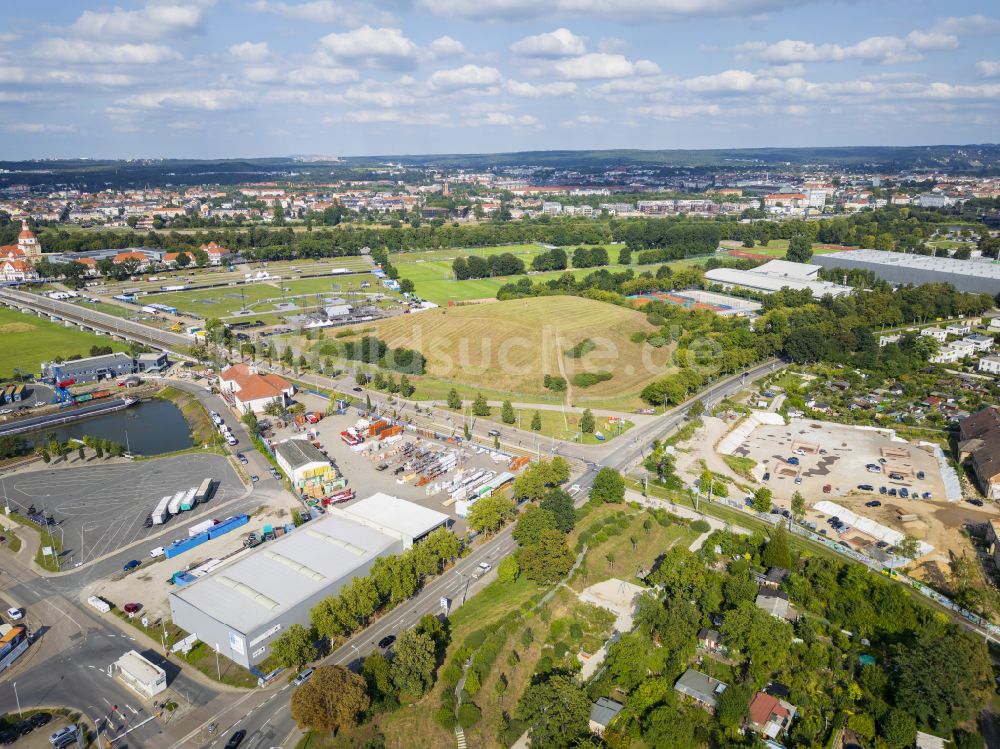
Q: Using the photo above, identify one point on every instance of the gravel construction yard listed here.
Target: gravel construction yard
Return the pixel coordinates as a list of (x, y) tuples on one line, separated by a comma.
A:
[(836, 455), (361, 472), (101, 509)]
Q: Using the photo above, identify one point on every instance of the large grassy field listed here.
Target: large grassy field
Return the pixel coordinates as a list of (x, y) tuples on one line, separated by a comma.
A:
[(431, 273), (261, 297), (29, 340), (777, 248), (510, 346)]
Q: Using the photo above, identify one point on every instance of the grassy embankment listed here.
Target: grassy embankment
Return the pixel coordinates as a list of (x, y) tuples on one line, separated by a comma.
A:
[(29, 340), (203, 432)]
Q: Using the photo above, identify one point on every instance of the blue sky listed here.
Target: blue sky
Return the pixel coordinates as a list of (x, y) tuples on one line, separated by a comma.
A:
[(232, 78)]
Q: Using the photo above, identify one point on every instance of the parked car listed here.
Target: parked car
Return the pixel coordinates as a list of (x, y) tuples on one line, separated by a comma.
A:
[(798, 479), (827, 488), (892, 492), (303, 677), (767, 475), (793, 461), (386, 641), (925, 495), (24, 727), (236, 739), (15, 614), (130, 565), (866, 487), (131, 608), (873, 503), (493, 433), (7, 737), (356, 389), (882, 490), (40, 719), (975, 502), (254, 478), (904, 492), (276, 473), (381, 466)]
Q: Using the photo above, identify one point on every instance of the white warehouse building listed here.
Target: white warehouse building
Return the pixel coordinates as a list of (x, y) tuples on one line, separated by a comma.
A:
[(776, 275), (241, 607)]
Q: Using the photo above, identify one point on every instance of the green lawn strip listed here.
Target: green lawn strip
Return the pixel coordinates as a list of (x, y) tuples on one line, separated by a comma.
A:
[(29, 340), (201, 657), (561, 425), (13, 543)]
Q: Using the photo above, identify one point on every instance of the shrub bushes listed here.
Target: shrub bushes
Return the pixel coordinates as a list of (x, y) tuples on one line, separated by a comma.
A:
[(586, 379), (468, 715), (581, 349)]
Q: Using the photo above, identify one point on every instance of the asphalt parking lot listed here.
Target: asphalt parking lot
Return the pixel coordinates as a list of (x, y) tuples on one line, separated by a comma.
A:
[(842, 463), (101, 509)]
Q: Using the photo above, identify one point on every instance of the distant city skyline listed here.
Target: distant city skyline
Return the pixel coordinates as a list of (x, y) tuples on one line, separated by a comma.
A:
[(252, 78)]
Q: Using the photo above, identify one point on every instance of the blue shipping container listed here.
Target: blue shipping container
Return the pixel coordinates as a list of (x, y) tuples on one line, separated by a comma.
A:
[(183, 578), (186, 545), (227, 525)]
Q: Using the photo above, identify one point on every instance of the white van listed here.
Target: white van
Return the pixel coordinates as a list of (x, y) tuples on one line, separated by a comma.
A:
[(159, 551)]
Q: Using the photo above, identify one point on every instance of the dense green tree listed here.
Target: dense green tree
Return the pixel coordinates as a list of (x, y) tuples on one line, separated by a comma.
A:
[(530, 524), (508, 570), (560, 504), (507, 414), (489, 514), (587, 424), (799, 249), (777, 552), (667, 728), (556, 711), (454, 401), (764, 640), (898, 729), (536, 421), (547, 560), (294, 647), (609, 486), (330, 701), (941, 677), (479, 406), (376, 671), (413, 663), (762, 500)]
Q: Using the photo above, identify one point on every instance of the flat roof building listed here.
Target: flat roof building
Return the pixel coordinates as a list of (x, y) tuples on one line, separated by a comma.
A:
[(980, 275), (407, 521), (90, 369), (241, 607), (776, 275), (141, 674)]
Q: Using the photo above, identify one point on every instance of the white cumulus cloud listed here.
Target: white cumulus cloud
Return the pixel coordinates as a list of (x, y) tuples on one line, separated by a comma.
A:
[(467, 76), (538, 90), (446, 46), (988, 68), (628, 10), (380, 47), (559, 43), (877, 49), (152, 21), (597, 65), (208, 100), (974, 24), (67, 50), (35, 128), (250, 51)]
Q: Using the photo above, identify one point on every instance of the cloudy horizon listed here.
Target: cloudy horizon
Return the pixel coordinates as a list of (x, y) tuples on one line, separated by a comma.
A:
[(255, 78)]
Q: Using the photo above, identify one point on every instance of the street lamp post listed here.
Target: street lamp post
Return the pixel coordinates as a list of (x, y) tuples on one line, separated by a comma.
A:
[(17, 699)]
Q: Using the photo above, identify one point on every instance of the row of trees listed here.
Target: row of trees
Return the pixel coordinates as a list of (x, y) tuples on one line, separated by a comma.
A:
[(476, 266)]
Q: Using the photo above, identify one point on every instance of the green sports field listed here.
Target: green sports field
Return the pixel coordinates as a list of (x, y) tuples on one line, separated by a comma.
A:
[(29, 340), (262, 296)]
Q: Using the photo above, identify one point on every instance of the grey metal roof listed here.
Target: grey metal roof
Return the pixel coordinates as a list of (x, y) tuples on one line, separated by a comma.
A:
[(699, 686), (264, 583), (298, 453), (393, 515), (604, 711), (769, 283), (976, 275)]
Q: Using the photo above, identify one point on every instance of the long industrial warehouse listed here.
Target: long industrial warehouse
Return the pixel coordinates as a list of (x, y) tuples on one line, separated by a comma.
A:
[(241, 607), (980, 275)]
